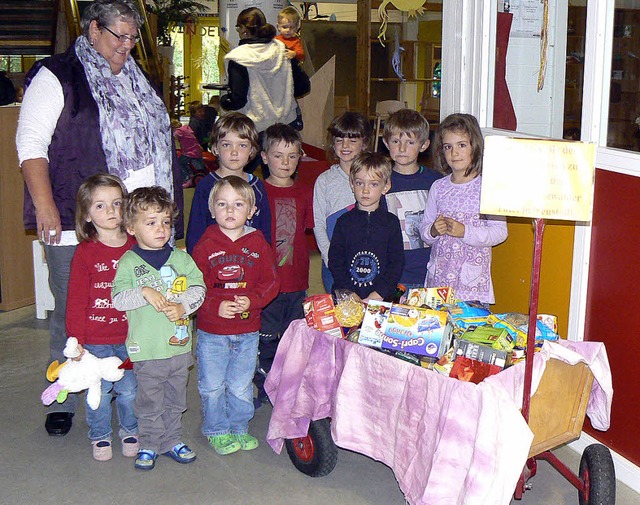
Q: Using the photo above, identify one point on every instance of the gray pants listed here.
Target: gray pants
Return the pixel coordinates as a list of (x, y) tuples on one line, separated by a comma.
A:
[(160, 401), (59, 263)]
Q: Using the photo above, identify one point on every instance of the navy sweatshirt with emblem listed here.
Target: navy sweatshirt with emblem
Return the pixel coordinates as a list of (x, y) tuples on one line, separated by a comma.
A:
[(366, 252)]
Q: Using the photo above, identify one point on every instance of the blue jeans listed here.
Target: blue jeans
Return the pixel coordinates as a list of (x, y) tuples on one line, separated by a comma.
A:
[(124, 390), (225, 368), (59, 262), (327, 278)]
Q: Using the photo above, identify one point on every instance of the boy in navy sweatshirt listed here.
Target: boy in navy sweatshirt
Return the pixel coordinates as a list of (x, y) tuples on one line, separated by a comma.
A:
[(366, 255)]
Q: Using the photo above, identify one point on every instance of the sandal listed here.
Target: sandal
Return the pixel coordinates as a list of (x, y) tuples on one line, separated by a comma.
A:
[(181, 453), (146, 460)]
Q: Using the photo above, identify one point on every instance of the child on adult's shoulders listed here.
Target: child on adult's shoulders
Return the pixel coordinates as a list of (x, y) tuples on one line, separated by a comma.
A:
[(235, 142), (366, 251)]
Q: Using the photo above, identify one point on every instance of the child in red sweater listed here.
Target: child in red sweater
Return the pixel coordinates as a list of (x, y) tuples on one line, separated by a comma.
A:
[(91, 318), (240, 275)]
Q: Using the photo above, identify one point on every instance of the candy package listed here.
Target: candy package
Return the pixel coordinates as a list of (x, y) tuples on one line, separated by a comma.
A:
[(349, 309)]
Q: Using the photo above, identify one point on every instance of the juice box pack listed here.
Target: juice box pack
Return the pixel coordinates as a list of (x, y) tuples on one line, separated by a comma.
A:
[(373, 323), (417, 330)]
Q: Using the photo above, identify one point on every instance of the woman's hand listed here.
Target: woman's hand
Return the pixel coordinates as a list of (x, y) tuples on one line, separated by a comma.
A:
[(36, 176)]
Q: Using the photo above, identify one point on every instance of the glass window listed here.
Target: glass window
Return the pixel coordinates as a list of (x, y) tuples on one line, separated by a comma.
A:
[(624, 95), (574, 72)]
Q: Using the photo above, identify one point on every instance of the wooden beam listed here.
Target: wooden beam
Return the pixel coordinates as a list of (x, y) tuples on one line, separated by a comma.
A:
[(428, 6), (363, 57)]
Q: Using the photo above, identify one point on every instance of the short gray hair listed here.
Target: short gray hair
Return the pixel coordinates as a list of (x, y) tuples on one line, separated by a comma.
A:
[(107, 12)]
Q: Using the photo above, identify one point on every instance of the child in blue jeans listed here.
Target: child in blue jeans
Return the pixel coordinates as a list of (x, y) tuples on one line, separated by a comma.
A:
[(240, 274), (91, 318)]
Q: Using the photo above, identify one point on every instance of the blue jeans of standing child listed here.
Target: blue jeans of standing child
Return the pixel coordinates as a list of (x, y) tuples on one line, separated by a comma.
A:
[(225, 368), (124, 390)]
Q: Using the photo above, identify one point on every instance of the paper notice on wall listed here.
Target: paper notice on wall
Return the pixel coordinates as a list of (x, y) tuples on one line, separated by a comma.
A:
[(527, 18), (550, 179)]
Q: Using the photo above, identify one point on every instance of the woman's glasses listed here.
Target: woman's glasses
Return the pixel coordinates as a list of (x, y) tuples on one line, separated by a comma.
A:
[(124, 38)]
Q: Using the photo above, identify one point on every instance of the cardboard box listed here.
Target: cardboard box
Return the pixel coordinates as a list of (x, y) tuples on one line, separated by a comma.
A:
[(375, 318), (417, 330), (484, 353), (319, 312), (431, 297)]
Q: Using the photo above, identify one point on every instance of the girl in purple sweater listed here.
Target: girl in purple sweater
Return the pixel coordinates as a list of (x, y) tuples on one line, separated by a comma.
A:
[(460, 237)]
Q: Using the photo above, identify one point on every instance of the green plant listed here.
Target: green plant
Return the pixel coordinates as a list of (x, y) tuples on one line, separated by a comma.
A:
[(172, 13)]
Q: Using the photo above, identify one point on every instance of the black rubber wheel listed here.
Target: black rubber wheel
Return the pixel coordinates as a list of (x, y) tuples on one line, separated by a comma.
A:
[(598, 476), (314, 455)]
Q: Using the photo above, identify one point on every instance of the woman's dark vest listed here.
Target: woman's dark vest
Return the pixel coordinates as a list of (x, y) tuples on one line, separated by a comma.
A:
[(76, 151)]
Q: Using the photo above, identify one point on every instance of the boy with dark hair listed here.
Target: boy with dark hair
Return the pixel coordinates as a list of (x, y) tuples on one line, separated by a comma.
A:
[(291, 215)]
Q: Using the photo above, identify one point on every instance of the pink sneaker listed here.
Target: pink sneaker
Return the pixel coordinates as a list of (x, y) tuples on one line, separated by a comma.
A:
[(102, 450), (130, 446)]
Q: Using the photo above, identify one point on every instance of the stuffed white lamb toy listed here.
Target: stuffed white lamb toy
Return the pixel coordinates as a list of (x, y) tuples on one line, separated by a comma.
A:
[(74, 376)]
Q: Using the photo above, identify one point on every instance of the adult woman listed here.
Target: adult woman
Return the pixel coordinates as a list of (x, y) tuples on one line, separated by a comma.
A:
[(86, 111), (263, 82)]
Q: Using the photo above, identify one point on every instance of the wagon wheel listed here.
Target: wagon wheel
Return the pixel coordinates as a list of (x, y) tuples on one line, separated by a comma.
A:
[(314, 455), (598, 476)]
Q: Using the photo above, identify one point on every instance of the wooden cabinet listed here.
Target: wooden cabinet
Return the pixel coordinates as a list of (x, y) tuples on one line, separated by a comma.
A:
[(16, 266)]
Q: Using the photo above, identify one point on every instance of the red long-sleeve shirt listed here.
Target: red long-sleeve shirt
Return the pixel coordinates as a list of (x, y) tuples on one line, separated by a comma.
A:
[(90, 316), (244, 267)]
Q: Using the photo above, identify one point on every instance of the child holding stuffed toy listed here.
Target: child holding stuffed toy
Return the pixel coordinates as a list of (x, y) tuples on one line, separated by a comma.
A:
[(91, 318), (460, 237), (159, 287)]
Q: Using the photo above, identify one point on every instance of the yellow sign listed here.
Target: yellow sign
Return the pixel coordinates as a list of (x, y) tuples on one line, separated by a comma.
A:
[(550, 179)]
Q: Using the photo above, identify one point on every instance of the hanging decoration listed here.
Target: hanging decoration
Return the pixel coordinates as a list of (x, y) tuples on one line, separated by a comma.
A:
[(544, 43), (412, 7), (396, 60)]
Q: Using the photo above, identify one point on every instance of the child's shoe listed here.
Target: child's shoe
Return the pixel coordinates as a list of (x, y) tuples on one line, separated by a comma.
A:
[(146, 460), (181, 453), (224, 444), (247, 442), (102, 450), (130, 446)]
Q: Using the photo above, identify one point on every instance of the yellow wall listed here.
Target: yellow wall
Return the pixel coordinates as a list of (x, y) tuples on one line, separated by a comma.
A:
[(511, 270)]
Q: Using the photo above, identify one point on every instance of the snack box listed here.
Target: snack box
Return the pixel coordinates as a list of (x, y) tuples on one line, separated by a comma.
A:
[(484, 353), (498, 338), (319, 312), (431, 297), (375, 318), (417, 330)]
